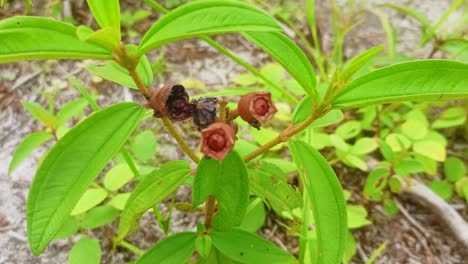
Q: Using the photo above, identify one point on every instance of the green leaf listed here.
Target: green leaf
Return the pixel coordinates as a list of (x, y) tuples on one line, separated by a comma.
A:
[(290, 56), (349, 129), (106, 13), (414, 129), (408, 166), (254, 217), (203, 245), (86, 250), (117, 177), (246, 247), (326, 199), (355, 161), (150, 191), (227, 180), (206, 17), (90, 199), (431, 149), (416, 80), (304, 110), (430, 165), (364, 146), (32, 38), (144, 146), (39, 113), (269, 183), (285, 165), (355, 64), (177, 248), (397, 142), (70, 167), (99, 216), (357, 216), (454, 169), (454, 116), (28, 145), (119, 200), (441, 188), (70, 110), (111, 70)]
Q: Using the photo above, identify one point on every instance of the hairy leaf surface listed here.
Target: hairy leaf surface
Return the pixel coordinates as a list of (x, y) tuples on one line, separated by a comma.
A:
[(246, 247), (227, 180), (326, 199), (174, 249), (206, 17), (416, 80), (71, 166)]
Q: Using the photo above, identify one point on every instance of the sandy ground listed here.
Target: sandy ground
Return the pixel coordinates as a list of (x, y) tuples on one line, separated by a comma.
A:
[(196, 59)]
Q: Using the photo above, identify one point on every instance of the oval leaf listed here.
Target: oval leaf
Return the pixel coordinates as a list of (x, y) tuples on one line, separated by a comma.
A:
[(32, 38), (154, 188), (326, 199), (99, 216), (289, 55), (416, 80), (174, 249), (246, 247), (118, 176), (227, 180), (70, 167), (86, 250), (206, 17), (27, 146)]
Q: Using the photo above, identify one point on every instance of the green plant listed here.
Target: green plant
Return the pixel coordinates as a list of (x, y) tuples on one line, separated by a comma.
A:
[(224, 180)]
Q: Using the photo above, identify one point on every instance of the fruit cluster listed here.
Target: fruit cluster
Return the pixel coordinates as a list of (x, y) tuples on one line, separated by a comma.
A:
[(218, 127)]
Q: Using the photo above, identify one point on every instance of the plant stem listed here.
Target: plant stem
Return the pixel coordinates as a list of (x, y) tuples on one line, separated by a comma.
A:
[(210, 207), (131, 247), (141, 86), (180, 140), (288, 133), (130, 162)]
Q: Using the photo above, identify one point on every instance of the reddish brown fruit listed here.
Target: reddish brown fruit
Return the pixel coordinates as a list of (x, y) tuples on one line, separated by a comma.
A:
[(256, 108), (172, 101), (217, 140)]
